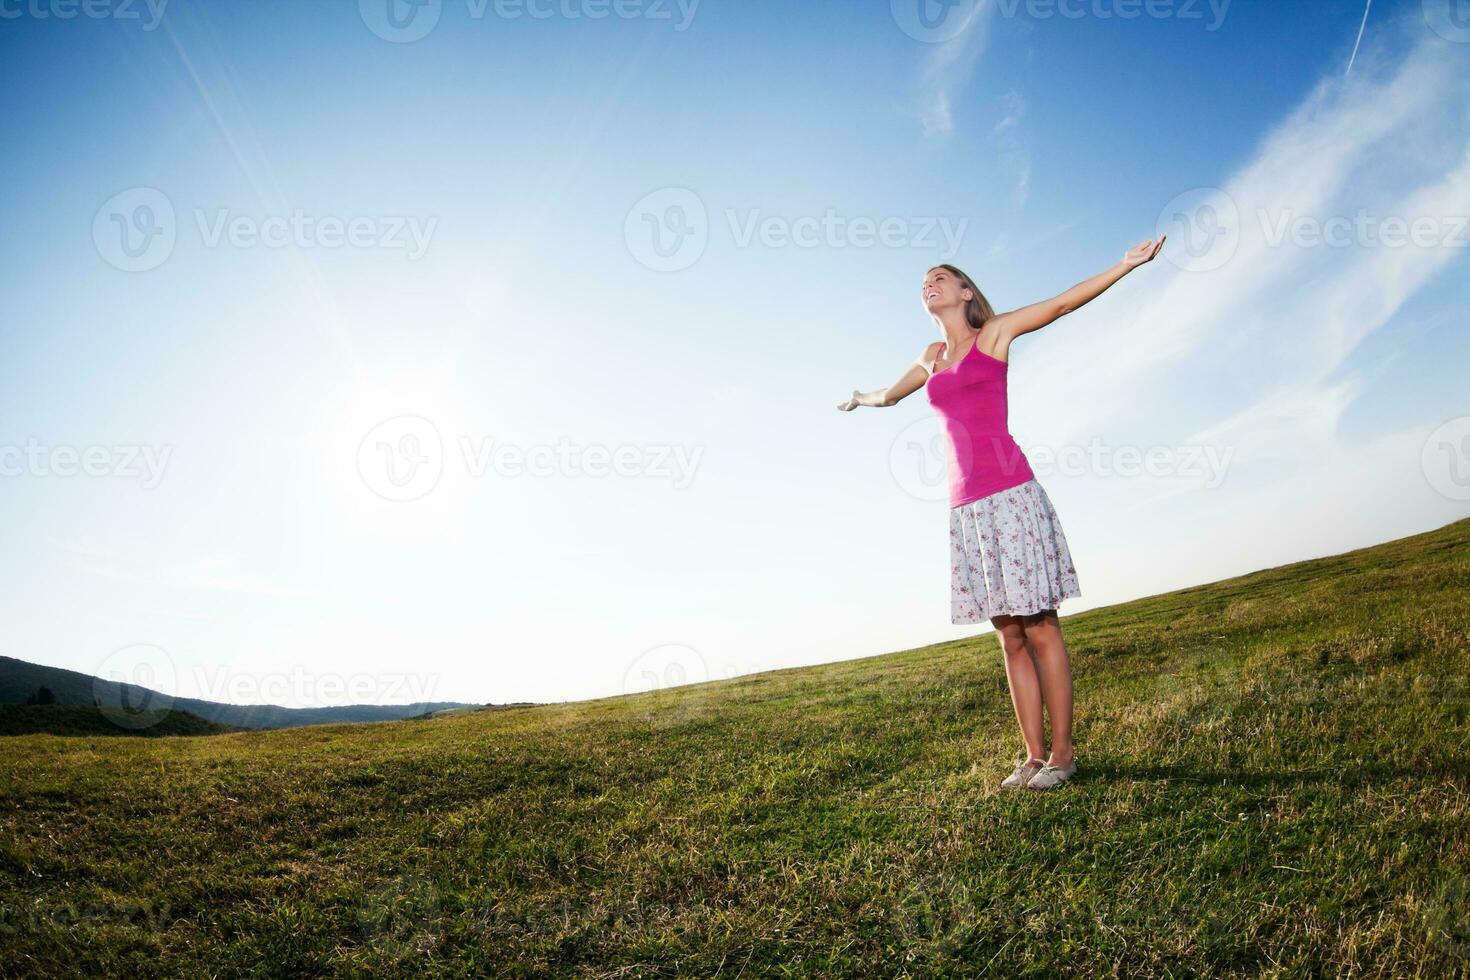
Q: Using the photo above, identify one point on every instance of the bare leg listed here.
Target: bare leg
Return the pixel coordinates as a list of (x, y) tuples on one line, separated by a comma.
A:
[(1025, 685), (1044, 636)]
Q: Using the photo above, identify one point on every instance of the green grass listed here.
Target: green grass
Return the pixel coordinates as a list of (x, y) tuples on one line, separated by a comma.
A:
[(1273, 781)]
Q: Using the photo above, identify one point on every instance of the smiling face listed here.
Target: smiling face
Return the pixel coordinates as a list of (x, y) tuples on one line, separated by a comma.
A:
[(943, 290)]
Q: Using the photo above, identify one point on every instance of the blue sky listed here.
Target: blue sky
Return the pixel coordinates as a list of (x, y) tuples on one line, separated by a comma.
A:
[(333, 509)]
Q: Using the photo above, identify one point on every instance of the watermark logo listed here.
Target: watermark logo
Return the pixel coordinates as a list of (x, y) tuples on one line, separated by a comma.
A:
[(934, 21), (940, 918), (135, 230), (401, 459), (300, 687), (1446, 459), (44, 917), (408, 233), (401, 916), (122, 10), (1362, 229), (1450, 19), (668, 230), (1198, 689), (1205, 224), (663, 676), (404, 458), (936, 917), (406, 21), (400, 21), (918, 458), (143, 463), (130, 686), (1449, 918), (833, 230), (1205, 463), (666, 666), (1208, 225), (1183, 10)]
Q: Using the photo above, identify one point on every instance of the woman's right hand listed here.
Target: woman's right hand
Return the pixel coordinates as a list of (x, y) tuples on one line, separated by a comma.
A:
[(851, 403)]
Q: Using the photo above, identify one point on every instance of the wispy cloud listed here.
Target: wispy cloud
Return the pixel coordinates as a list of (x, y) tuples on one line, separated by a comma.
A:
[(1002, 245), (1251, 353), (1332, 318), (1007, 135), (949, 65)]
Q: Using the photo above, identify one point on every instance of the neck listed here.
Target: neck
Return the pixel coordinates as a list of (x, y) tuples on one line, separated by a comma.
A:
[(953, 327)]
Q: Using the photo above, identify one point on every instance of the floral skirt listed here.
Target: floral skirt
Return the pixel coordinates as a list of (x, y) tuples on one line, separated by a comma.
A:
[(1008, 556)]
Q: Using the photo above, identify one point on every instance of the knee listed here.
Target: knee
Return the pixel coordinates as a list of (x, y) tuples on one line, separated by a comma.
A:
[(1042, 635), (1014, 644)]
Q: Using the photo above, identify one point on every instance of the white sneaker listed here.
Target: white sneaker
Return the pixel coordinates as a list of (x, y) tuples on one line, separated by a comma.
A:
[(1022, 774), (1051, 776)]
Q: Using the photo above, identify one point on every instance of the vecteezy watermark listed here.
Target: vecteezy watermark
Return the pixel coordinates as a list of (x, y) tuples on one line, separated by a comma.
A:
[(1210, 12), (1363, 687), (406, 21), (150, 12), (939, 915), (41, 917), (298, 687), (1363, 229), (403, 459), (1205, 462), (301, 230), (832, 230), (1208, 225), (401, 916), (669, 230), (1204, 224), (143, 463), (126, 686), (665, 666), (1449, 918), (136, 230), (1450, 19), (1446, 459), (1198, 687), (937, 21), (134, 686), (918, 459), (671, 680), (506, 919)]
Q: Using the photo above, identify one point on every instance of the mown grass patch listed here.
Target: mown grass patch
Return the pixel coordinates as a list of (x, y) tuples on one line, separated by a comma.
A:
[(1273, 782)]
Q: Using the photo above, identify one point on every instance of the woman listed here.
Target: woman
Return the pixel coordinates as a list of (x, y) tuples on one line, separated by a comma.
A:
[(1009, 561)]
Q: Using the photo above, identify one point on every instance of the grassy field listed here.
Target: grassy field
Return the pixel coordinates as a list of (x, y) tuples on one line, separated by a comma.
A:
[(1273, 780)]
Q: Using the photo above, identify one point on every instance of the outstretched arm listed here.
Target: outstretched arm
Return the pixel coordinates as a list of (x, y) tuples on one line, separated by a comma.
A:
[(909, 382), (1038, 315)]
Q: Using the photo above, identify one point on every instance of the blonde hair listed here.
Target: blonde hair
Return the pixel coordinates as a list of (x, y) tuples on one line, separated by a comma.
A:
[(978, 309)]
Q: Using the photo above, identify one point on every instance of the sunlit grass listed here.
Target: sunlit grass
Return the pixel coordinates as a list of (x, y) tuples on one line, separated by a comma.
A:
[(1273, 781)]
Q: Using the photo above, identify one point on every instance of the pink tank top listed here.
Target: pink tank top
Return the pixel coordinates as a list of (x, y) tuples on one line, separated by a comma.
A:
[(970, 400)]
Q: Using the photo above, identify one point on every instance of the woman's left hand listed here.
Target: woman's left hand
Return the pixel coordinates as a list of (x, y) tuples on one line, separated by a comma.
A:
[(1143, 252)]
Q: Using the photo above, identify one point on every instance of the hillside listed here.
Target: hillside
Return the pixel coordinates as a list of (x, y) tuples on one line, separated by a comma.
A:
[(19, 680), (1273, 781), (79, 720)]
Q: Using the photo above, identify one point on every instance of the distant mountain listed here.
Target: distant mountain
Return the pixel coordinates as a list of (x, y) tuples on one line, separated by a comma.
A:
[(78, 719), (139, 708)]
